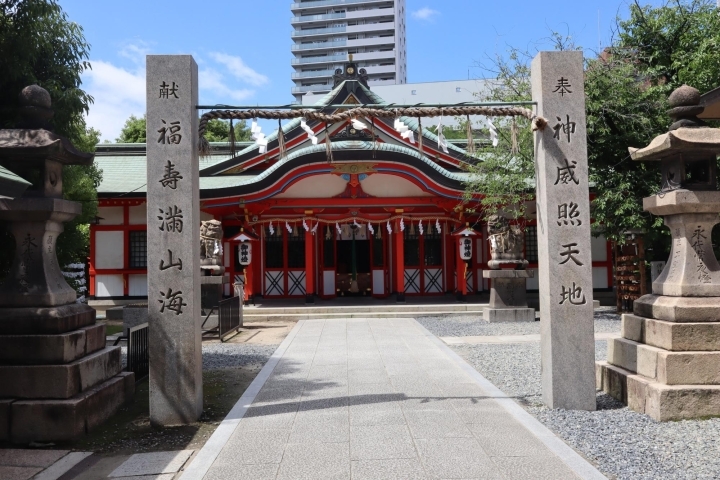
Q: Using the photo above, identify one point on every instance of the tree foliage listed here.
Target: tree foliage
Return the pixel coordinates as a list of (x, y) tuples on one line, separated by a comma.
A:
[(654, 50), (216, 131), (40, 45)]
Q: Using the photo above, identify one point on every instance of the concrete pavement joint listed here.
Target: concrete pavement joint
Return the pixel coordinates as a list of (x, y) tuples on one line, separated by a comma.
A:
[(200, 465), (570, 457)]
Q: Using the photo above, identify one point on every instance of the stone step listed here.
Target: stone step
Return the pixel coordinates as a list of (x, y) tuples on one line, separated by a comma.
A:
[(669, 368), (671, 336), (51, 349), (59, 381), (262, 317), (45, 321), (57, 420), (661, 402)]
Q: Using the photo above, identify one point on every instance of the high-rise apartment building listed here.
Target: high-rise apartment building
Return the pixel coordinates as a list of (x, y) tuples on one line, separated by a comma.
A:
[(325, 32)]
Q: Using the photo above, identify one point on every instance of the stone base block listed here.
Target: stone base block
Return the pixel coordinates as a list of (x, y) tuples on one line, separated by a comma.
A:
[(5, 419), (56, 420), (678, 309), (659, 401), (670, 368), (676, 337), (59, 381), (51, 349), (45, 321), (493, 315), (134, 315), (596, 304)]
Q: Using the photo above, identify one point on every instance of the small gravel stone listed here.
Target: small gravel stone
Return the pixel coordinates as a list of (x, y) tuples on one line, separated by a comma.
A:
[(623, 444), (217, 356), (606, 320)]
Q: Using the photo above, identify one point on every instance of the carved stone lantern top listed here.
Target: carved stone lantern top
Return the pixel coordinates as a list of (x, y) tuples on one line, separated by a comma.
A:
[(35, 153), (688, 151)]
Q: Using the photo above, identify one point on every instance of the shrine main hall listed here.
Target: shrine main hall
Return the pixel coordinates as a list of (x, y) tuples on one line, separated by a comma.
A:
[(374, 216)]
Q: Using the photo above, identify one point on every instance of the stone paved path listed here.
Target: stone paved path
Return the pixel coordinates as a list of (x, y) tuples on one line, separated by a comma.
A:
[(378, 399)]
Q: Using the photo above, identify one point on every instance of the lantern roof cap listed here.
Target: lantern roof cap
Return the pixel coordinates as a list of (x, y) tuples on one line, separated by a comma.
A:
[(684, 140)]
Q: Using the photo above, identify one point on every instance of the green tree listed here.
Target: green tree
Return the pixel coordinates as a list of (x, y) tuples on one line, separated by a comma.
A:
[(216, 131), (654, 51), (40, 45), (133, 131)]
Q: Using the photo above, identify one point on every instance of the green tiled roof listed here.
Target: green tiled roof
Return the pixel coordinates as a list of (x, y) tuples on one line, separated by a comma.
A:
[(128, 173), (11, 185)]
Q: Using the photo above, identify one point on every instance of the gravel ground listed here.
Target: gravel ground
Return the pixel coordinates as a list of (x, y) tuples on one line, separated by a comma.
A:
[(606, 320), (622, 443), (217, 356)]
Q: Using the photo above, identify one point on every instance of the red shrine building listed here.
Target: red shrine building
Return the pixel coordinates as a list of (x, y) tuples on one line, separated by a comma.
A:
[(375, 216)]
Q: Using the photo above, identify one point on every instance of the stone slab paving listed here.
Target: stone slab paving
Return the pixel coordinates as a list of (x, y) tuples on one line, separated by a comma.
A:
[(378, 399), (155, 463), (24, 464)]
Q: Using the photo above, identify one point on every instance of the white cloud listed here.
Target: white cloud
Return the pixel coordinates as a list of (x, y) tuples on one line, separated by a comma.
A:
[(425, 13), (213, 81), (239, 69), (118, 93)]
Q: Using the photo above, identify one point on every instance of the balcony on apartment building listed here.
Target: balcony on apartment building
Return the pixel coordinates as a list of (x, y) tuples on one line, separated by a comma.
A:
[(355, 14), (364, 28), (330, 3), (360, 42), (358, 57)]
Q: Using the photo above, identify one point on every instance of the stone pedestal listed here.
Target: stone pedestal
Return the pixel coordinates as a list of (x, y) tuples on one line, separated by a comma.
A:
[(508, 298), (58, 380), (666, 362), (211, 289)]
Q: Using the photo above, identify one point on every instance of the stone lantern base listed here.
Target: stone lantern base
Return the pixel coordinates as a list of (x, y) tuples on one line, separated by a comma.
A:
[(666, 362), (508, 296), (58, 380)]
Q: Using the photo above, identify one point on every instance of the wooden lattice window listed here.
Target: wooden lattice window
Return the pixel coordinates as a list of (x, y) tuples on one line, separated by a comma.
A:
[(531, 244), (138, 249)]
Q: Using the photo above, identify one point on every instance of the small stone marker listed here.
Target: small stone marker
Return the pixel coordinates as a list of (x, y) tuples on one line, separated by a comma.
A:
[(563, 211), (173, 230)]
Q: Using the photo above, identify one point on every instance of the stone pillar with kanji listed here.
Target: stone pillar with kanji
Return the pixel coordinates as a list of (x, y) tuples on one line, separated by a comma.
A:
[(567, 342), (173, 230)]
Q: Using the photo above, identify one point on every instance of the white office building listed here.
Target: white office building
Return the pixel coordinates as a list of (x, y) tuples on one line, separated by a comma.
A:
[(325, 32)]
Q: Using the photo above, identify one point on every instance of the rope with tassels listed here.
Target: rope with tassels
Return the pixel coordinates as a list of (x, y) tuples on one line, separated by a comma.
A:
[(538, 123)]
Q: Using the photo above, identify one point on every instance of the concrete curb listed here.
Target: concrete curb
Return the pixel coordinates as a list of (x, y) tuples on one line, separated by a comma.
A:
[(570, 457), (202, 462)]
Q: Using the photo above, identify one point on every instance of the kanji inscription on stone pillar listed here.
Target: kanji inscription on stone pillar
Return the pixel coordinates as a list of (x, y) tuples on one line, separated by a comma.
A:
[(563, 215), (173, 240)]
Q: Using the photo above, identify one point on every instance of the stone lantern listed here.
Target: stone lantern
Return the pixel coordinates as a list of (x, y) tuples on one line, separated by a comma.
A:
[(507, 273), (57, 377), (667, 361)]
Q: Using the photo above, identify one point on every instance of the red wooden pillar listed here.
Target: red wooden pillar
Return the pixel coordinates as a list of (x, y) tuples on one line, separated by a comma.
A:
[(399, 261), (460, 269), (309, 267)]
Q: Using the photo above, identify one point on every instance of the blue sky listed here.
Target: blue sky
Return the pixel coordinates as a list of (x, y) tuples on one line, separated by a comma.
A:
[(243, 47)]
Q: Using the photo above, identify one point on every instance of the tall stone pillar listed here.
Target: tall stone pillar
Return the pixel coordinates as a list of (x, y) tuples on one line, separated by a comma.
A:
[(399, 260), (173, 230), (563, 214), (309, 267)]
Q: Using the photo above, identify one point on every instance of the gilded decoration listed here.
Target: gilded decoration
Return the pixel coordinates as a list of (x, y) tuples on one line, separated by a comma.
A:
[(354, 168)]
